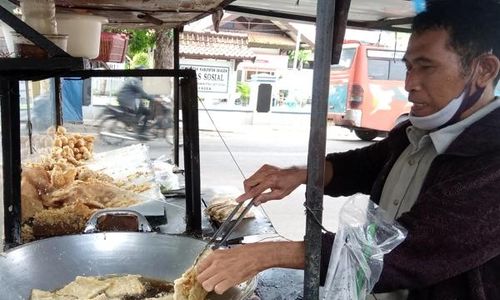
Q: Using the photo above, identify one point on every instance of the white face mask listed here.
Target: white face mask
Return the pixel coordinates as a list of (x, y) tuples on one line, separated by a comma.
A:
[(440, 117)]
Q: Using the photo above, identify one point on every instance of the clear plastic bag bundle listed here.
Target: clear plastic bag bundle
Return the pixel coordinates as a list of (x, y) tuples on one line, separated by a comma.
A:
[(40, 15), (364, 236)]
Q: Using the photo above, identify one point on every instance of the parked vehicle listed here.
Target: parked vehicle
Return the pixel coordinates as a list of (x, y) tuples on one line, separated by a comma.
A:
[(367, 92)]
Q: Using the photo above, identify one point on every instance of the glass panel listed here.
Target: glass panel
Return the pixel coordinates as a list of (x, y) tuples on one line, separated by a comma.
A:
[(397, 70), (36, 104), (105, 121), (378, 69), (118, 111), (127, 111), (398, 55), (346, 57)]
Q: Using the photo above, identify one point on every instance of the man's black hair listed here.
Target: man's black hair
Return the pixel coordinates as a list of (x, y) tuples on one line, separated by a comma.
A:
[(473, 26)]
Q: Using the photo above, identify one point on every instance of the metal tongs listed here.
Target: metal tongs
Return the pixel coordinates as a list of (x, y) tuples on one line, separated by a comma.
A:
[(226, 228)]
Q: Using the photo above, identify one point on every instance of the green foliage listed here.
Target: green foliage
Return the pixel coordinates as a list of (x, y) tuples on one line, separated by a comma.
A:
[(244, 89), (303, 55), (140, 60), (144, 41), (141, 40)]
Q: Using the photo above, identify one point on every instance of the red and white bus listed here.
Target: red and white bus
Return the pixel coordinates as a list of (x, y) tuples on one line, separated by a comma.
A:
[(367, 92)]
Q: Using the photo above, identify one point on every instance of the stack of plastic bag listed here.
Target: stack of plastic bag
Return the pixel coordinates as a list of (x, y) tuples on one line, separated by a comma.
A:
[(364, 236)]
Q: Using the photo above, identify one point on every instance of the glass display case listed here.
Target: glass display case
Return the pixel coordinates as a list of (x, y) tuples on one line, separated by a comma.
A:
[(92, 136)]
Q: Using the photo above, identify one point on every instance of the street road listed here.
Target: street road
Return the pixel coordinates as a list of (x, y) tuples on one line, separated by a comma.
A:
[(282, 147), (252, 146)]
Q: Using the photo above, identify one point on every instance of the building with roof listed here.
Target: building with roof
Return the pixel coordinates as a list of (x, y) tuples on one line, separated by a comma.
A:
[(212, 45), (215, 57), (256, 50)]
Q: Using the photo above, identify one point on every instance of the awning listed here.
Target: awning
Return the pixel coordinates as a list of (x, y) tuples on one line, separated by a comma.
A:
[(379, 14), (141, 13)]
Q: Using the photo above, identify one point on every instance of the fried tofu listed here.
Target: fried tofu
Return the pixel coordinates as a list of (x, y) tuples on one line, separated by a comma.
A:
[(187, 287), (44, 295), (129, 285), (220, 208), (84, 288)]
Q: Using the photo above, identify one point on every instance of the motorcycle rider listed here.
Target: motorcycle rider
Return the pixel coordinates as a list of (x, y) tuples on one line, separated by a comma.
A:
[(130, 98)]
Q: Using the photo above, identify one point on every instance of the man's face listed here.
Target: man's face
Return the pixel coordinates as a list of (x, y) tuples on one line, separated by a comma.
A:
[(435, 75)]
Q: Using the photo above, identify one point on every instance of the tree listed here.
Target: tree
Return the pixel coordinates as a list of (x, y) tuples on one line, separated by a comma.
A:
[(140, 41), (244, 89), (164, 50), (302, 56), (140, 59), (158, 40)]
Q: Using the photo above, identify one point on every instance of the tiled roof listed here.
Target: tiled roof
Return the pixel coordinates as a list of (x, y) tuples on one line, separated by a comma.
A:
[(268, 40), (215, 45)]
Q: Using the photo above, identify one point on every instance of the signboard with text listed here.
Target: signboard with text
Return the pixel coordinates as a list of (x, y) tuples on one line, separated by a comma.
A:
[(211, 79)]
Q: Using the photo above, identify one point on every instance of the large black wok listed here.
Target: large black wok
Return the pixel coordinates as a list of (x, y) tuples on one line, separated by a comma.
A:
[(52, 263)]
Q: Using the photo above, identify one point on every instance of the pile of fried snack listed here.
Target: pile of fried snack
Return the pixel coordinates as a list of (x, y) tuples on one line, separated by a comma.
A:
[(58, 193), (187, 287), (126, 287), (97, 288)]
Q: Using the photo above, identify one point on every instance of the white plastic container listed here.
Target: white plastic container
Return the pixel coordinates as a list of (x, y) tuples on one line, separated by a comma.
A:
[(84, 33)]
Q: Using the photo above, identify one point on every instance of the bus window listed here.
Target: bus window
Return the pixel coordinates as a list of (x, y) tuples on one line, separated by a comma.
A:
[(397, 70), (383, 69), (378, 69), (346, 58)]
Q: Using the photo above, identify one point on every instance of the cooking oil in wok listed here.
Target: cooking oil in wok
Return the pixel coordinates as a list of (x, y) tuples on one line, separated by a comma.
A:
[(124, 287), (153, 288)]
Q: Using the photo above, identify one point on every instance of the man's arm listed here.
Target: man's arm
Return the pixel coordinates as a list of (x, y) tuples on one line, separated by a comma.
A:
[(225, 268), (144, 95), (135, 87), (345, 174), (228, 267), (356, 170), (273, 183)]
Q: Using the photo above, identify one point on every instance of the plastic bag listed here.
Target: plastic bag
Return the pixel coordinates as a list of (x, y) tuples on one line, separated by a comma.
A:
[(165, 176), (364, 236)]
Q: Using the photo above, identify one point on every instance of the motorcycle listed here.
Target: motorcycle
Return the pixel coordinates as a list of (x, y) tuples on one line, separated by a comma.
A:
[(119, 124)]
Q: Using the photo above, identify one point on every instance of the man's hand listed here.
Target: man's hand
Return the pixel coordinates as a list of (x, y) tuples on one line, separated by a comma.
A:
[(225, 268), (277, 182)]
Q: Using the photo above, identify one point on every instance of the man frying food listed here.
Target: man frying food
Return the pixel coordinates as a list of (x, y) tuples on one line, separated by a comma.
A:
[(437, 174)]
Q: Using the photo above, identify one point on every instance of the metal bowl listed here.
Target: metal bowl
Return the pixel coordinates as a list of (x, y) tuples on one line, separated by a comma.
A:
[(52, 263)]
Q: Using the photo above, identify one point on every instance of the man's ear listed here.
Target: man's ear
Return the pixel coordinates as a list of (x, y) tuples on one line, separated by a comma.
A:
[(488, 68)]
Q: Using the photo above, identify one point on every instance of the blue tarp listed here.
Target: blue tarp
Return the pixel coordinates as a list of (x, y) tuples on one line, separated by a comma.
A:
[(72, 99)]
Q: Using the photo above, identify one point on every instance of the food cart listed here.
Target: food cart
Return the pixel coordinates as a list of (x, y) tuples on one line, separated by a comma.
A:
[(104, 252)]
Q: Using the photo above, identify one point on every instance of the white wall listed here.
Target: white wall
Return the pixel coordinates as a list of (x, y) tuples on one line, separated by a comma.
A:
[(214, 90)]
